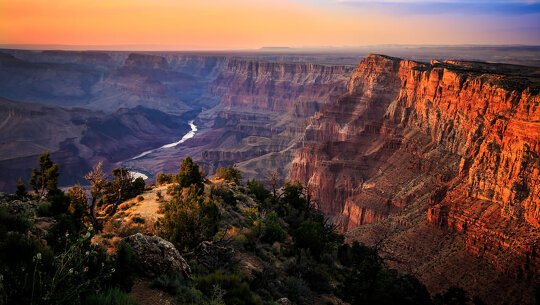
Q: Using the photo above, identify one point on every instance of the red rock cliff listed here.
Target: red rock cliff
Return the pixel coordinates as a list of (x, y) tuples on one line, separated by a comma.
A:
[(459, 141)]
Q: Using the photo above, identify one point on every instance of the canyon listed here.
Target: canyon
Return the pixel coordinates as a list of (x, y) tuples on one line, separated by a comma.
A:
[(428, 161), (435, 163)]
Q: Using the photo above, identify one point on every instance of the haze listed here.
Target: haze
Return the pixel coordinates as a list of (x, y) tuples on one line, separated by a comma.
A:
[(242, 24)]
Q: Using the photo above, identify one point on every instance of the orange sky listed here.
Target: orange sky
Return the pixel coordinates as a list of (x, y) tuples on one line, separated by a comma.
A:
[(235, 24)]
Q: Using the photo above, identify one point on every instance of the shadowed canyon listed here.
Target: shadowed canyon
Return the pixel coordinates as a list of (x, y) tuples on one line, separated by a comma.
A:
[(432, 160)]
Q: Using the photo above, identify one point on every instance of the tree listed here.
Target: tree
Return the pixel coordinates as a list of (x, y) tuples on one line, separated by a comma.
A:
[(44, 178), (77, 201), (121, 188), (273, 231), (188, 220), (98, 180), (21, 192), (164, 178), (137, 187), (273, 176), (231, 174), (189, 174), (257, 189), (293, 194)]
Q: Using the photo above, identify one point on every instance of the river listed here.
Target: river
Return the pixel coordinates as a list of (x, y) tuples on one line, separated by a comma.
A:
[(190, 134)]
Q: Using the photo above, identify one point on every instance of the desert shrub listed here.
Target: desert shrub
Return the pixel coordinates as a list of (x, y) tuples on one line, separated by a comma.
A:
[(272, 230), (189, 174), (124, 274), (231, 174), (225, 194), (59, 202), (21, 192), (137, 187), (188, 221), (236, 291), (112, 296), (12, 222), (140, 198), (159, 196), (293, 195), (256, 188), (297, 290), (170, 283), (44, 179), (251, 214), (163, 178), (138, 219), (311, 235), (313, 272)]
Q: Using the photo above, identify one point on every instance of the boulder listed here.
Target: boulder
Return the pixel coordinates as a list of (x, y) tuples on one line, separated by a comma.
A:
[(155, 256)]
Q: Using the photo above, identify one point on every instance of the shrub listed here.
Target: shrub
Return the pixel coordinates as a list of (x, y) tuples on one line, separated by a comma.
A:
[(272, 230), (164, 178), (113, 296), (256, 188), (231, 174), (226, 194), (159, 196), (236, 291), (138, 219), (189, 174), (138, 186), (21, 192), (170, 283), (311, 235), (188, 221), (140, 198), (124, 274)]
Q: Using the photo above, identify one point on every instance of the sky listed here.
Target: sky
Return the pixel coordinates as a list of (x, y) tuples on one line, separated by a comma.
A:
[(252, 24)]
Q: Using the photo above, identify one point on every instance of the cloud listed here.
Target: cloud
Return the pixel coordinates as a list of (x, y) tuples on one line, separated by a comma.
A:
[(500, 7)]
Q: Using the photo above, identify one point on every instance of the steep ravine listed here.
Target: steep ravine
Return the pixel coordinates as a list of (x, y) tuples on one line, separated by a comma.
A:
[(412, 149), (259, 117)]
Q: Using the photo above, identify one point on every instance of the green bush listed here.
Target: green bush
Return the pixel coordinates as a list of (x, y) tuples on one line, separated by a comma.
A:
[(164, 178), (236, 291), (188, 221), (170, 283), (224, 193), (256, 188), (189, 174), (311, 235), (11, 222), (231, 174), (112, 296), (272, 230), (124, 274)]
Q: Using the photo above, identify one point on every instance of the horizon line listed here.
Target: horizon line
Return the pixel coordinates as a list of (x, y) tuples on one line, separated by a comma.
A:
[(162, 48)]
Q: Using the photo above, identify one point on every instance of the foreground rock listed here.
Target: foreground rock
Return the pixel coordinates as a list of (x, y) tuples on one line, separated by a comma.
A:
[(155, 256)]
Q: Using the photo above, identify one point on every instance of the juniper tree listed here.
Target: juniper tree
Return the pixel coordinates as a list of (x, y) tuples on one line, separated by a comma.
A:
[(44, 178), (189, 174)]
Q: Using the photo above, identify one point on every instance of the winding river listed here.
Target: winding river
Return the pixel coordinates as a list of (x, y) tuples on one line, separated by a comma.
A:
[(190, 134)]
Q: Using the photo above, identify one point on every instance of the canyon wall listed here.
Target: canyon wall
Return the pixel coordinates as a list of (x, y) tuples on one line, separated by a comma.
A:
[(259, 116), (452, 144)]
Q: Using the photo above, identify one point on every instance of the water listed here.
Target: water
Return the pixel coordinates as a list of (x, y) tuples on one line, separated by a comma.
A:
[(186, 137)]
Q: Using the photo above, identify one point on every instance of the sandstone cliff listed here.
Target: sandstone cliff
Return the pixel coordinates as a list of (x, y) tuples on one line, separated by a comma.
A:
[(455, 144), (259, 117)]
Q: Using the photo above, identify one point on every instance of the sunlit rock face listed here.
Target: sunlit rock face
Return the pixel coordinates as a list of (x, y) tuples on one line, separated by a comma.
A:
[(262, 111), (447, 144)]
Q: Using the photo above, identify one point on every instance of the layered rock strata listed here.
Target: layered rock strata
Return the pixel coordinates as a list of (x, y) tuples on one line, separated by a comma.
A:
[(455, 143)]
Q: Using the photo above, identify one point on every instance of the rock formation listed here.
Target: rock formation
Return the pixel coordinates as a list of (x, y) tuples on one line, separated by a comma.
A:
[(155, 256), (454, 144)]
